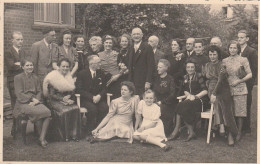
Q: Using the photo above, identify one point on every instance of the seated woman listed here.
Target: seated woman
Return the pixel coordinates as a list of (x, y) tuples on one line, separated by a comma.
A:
[(58, 87), (195, 91), (165, 92), (29, 100), (236, 79), (110, 66), (65, 50), (150, 127), (119, 120)]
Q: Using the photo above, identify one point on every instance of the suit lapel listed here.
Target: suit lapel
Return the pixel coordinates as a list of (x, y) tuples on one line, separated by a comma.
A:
[(47, 50), (244, 53), (15, 54), (138, 52)]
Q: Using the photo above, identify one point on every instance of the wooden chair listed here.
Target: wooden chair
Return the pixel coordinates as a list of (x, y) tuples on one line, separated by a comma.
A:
[(208, 114)]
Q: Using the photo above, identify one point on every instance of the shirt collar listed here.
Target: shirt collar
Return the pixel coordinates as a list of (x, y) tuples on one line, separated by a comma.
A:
[(16, 49), (137, 45), (242, 49), (92, 72), (154, 50), (46, 43)]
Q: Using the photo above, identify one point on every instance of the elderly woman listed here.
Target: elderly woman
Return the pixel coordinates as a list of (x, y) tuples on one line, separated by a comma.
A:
[(79, 42), (238, 71), (122, 58), (58, 87), (219, 94), (165, 92), (65, 50), (195, 91), (29, 100), (95, 43), (176, 59), (119, 120), (110, 67)]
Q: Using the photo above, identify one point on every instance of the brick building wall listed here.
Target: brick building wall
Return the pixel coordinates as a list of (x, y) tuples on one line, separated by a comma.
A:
[(20, 17)]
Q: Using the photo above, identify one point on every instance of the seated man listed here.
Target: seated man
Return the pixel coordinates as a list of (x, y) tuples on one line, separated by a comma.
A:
[(91, 85)]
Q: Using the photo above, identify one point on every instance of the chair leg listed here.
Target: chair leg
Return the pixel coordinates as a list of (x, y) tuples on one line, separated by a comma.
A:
[(23, 129), (14, 128), (209, 130)]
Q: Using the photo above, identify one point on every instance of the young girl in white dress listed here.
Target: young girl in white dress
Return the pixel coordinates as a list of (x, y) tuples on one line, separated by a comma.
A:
[(150, 129)]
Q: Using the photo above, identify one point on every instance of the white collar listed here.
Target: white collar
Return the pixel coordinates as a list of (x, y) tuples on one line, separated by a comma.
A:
[(242, 49), (190, 52), (137, 45), (46, 43), (154, 50), (92, 72), (16, 49)]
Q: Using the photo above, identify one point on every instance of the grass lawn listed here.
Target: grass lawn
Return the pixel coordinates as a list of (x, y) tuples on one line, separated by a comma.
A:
[(197, 150)]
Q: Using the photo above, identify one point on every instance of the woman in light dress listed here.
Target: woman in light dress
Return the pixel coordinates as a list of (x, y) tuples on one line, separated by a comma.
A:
[(151, 128), (119, 120)]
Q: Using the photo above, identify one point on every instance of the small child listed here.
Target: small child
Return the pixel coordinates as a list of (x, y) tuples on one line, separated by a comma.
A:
[(151, 128)]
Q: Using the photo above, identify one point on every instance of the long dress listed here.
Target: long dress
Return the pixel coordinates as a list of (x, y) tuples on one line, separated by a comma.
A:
[(120, 122), (165, 91), (190, 110), (239, 92), (65, 117), (26, 88), (151, 114), (212, 71)]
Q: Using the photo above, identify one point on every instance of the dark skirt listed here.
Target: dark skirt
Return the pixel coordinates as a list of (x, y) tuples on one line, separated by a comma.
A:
[(190, 110), (168, 116), (64, 119)]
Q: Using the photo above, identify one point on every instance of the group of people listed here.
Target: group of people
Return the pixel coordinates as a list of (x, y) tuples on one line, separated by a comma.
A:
[(144, 82)]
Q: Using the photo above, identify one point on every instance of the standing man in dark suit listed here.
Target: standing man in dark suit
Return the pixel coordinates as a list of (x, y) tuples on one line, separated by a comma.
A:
[(91, 85), (141, 63), (153, 41), (251, 54), (189, 52), (41, 54), (217, 42), (12, 61)]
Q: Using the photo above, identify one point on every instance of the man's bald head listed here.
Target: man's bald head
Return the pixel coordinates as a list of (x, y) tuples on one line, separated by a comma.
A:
[(137, 35), (216, 41), (190, 44)]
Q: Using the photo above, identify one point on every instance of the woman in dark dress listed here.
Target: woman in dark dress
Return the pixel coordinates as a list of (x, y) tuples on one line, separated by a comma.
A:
[(177, 62), (79, 41), (122, 58), (165, 91), (195, 91), (65, 50), (58, 87), (29, 100)]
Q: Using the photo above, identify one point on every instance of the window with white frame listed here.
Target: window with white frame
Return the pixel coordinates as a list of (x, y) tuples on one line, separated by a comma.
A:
[(54, 14)]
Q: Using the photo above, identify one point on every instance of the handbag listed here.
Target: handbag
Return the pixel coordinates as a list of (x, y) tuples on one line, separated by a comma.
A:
[(241, 72)]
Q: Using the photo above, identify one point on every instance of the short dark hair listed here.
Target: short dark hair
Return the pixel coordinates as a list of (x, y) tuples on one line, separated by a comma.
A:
[(47, 30), (62, 60), (178, 41), (245, 32), (199, 41), (76, 38), (25, 61), (191, 60), (237, 44), (62, 33), (130, 85), (213, 48)]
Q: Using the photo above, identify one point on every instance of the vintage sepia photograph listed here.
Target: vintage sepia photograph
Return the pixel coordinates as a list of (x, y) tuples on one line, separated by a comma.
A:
[(129, 82)]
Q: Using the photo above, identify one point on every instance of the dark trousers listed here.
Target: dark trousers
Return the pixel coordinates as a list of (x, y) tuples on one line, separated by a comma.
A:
[(168, 117), (247, 120), (95, 114), (10, 86)]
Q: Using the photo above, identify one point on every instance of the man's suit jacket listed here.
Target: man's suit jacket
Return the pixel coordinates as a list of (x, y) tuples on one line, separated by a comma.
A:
[(88, 87), (252, 57), (141, 65), (11, 57), (186, 56), (157, 56), (41, 56)]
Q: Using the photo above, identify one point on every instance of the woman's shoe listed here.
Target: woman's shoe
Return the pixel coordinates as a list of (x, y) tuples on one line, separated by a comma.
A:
[(173, 137), (42, 143), (93, 140), (75, 139), (166, 148), (190, 137)]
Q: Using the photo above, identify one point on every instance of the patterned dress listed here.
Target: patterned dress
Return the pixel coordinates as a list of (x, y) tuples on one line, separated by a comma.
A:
[(151, 114), (239, 92), (120, 122)]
